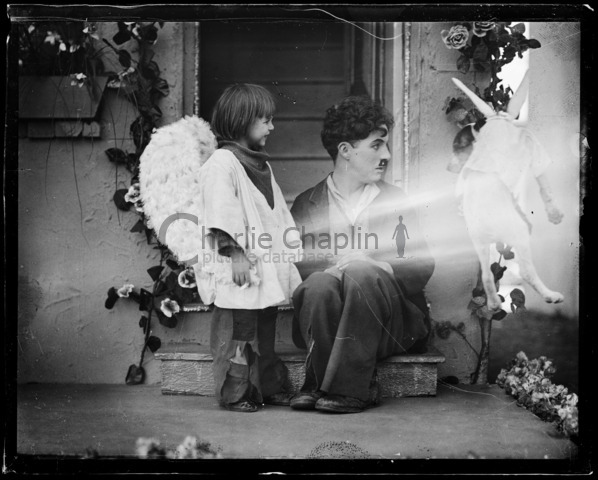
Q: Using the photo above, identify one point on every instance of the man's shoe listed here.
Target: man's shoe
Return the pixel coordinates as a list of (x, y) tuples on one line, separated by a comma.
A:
[(282, 399), (306, 400), (341, 404)]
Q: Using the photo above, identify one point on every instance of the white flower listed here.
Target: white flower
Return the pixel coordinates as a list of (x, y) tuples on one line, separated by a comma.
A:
[(146, 447), (78, 79), (126, 72), (114, 84), (188, 449), (169, 307), (73, 48), (134, 194), (123, 292), (456, 37), (187, 278), (62, 47), (90, 30), (31, 28), (51, 38), (572, 399)]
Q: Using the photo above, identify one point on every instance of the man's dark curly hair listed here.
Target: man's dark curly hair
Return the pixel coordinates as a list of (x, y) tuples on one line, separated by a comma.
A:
[(351, 120)]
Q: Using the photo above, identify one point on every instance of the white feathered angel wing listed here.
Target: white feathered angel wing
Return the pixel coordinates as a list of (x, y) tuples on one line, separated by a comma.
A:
[(169, 183)]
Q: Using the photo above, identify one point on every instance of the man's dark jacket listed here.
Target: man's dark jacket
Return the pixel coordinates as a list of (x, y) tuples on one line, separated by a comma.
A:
[(311, 214)]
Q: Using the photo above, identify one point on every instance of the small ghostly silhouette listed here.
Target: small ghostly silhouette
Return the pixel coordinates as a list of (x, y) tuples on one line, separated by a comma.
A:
[(400, 233)]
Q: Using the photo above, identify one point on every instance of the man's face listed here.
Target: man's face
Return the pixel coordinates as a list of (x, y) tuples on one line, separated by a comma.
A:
[(369, 157)]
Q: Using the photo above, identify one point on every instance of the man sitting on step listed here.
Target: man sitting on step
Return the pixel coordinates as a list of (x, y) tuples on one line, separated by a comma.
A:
[(359, 302)]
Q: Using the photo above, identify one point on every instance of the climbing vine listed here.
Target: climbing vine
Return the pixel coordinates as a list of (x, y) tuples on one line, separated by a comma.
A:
[(484, 48), (76, 50), (173, 285)]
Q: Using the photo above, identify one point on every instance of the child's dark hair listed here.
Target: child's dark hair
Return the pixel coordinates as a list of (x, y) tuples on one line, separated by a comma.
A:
[(351, 120), (238, 106)]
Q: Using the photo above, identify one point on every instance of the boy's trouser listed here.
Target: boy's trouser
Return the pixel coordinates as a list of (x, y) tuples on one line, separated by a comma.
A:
[(253, 332)]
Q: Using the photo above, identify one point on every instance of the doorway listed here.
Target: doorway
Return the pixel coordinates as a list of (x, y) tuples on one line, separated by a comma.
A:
[(307, 67)]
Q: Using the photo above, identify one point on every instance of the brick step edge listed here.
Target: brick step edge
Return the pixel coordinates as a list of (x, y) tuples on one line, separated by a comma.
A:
[(187, 370)]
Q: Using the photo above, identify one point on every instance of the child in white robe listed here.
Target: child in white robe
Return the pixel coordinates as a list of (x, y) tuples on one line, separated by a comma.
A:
[(250, 269)]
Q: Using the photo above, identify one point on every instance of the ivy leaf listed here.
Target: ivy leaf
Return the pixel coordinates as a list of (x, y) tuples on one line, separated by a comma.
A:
[(133, 295), (149, 34), (533, 43), (161, 288), (132, 160), (497, 270), (153, 343), (463, 64), (155, 112), (168, 322), (161, 87), (499, 315), (150, 70), (508, 254), (443, 330), (112, 298), (518, 28), (138, 227), (480, 54), (480, 66), (155, 272), (123, 34), (146, 300), (124, 58), (116, 155), (148, 234), (478, 292), (119, 199), (517, 298), (135, 375), (143, 323), (172, 281), (172, 264), (141, 131)]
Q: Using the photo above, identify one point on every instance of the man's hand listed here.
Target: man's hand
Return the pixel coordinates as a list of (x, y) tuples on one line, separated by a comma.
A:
[(240, 265), (361, 257)]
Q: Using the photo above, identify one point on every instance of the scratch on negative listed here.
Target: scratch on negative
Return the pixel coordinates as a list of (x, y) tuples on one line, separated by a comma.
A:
[(347, 21), (350, 337)]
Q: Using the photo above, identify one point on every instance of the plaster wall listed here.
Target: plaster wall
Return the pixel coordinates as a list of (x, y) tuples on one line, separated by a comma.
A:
[(74, 244)]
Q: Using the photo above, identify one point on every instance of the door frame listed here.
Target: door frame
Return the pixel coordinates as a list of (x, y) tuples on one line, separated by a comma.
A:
[(379, 61)]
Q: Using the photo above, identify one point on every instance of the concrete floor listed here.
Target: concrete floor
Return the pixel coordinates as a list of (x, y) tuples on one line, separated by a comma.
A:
[(461, 422)]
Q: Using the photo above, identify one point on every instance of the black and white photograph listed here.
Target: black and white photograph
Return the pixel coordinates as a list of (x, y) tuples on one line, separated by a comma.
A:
[(298, 239)]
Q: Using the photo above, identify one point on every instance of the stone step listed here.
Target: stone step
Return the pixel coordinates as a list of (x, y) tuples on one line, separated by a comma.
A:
[(186, 369), (194, 325)]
